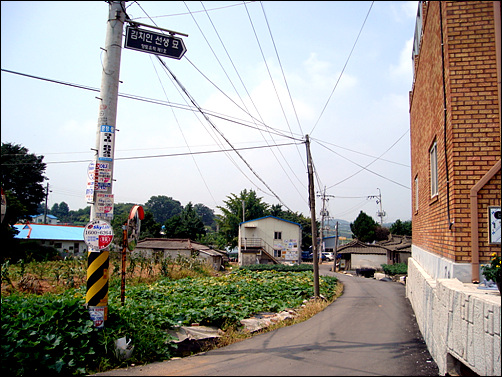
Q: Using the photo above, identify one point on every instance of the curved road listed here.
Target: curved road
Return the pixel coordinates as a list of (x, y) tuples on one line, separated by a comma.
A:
[(369, 331)]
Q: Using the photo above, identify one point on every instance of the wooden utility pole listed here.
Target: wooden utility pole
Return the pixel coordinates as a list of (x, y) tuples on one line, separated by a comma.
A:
[(315, 255)]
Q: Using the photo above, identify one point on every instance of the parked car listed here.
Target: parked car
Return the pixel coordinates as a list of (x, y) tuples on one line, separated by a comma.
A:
[(306, 256), (329, 256)]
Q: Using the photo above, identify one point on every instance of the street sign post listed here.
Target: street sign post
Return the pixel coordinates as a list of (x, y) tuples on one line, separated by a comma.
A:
[(154, 43)]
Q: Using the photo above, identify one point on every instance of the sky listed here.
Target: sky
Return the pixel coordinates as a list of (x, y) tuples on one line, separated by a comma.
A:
[(268, 73)]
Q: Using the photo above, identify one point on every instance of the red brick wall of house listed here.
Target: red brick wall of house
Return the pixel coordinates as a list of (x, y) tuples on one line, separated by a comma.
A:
[(472, 126)]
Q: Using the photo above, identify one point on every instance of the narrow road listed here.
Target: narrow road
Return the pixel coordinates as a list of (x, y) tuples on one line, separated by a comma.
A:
[(369, 331)]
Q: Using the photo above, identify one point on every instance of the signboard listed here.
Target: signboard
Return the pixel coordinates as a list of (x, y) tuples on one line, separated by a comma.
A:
[(98, 235), (494, 221), (104, 206), (107, 139), (91, 177), (154, 43), (133, 226)]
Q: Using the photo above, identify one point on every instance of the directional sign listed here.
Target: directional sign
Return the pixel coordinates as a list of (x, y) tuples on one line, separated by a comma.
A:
[(154, 43)]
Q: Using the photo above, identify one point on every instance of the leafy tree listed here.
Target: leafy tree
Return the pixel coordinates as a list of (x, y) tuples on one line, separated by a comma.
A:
[(401, 228), (364, 228), (381, 233), (61, 211), (206, 214), (22, 178), (187, 224), (163, 208), (229, 221)]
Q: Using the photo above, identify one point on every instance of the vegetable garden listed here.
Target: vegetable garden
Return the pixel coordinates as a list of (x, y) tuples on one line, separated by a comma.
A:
[(46, 327)]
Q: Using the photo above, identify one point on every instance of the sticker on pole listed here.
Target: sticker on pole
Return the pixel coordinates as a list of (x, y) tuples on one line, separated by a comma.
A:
[(98, 235)]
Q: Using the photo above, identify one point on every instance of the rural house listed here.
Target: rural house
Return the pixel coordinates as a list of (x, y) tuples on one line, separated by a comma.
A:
[(269, 240), (174, 247), (455, 133), (39, 219), (67, 240)]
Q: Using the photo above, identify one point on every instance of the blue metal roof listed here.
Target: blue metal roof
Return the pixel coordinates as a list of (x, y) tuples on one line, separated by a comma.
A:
[(277, 218), (49, 232)]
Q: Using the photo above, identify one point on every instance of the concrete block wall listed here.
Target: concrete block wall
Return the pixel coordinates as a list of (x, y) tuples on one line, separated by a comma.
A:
[(459, 323)]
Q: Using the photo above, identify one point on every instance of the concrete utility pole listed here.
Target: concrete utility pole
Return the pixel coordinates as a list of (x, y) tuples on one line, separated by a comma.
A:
[(324, 198), (336, 247), (98, 256), (380, 213), (315, 255), (46, 197)]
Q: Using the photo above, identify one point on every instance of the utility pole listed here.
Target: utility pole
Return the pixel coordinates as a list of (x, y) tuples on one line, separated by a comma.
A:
[(380, 213), (315, 255), (336, 247), (323, 213), (98, 255), (46, 197)]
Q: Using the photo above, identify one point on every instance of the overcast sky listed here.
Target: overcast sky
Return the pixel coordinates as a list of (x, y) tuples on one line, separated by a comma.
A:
[(270, 73)]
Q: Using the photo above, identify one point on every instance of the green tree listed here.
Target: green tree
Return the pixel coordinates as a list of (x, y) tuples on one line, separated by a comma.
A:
[(364, 227), (187, 224), (22, 177), (229, 221), (163, 208), (61, 211), (206, 214), (401, 228)]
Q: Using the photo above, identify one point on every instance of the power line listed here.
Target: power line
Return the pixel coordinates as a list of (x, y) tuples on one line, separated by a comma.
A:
[(341, 73), (156, 102), (161, 155)]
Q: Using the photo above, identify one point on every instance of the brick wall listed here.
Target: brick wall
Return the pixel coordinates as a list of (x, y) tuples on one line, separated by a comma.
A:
[(472, 126)]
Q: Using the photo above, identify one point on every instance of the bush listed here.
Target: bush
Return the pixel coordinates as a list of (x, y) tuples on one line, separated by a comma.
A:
[(395, 269)]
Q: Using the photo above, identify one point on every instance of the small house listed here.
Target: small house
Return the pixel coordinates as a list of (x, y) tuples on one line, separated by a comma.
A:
[(269, 240), (67, 240), (173, 247)]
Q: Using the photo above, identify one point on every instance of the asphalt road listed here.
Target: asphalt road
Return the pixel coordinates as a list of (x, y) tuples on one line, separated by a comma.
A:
[(369, 331)]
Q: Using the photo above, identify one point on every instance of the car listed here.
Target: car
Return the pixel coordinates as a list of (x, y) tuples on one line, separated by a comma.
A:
[(306, 256), (329, 255)]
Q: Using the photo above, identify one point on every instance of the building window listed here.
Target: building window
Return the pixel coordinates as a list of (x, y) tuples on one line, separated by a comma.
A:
[(433, 155), (277, 235), (277, 253), (416, 193)]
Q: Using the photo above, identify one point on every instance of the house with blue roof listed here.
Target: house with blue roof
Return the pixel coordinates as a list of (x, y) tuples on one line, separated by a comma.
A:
[(269, 240), (39, 219), (67, 239)]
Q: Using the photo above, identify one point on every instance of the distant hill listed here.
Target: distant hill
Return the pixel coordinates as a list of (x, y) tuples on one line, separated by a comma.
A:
[(343, 228)]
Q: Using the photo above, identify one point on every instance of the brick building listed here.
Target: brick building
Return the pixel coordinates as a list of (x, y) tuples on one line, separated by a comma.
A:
[(455, 134)]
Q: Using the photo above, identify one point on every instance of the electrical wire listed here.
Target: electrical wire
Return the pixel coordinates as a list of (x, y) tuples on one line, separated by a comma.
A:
[(343, 70)]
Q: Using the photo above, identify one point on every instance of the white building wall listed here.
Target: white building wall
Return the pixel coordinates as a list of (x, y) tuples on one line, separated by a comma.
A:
[(367, 261), (459, 322), (265, 229)]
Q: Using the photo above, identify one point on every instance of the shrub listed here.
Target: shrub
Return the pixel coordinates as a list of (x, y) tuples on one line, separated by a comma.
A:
[(395, 269)]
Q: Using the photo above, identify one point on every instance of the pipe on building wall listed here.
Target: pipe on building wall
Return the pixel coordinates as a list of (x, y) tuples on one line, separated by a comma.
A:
[(450, 223), (475, 221)]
